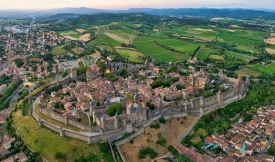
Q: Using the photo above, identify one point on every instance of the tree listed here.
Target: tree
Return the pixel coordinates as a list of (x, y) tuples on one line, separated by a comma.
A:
[(82, 69), (111, 77), (60, 105), (123, 45), (115, 108), (148, 150), (180, 87), (271, 151), (19, 62), (123, 73)]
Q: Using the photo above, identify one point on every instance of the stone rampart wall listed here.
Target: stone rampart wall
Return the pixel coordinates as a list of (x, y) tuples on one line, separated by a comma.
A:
[(229, 93), (50, 126), (62, 119)]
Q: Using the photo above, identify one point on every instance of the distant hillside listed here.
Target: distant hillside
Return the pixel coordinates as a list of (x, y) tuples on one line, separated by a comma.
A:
[(207, 13), (81, 10), (201, 12), (64, 16)]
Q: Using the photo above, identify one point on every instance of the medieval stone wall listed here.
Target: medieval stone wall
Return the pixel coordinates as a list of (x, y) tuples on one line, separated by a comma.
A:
[(110, 124), (210, 101), (229, 93), (62, 119)]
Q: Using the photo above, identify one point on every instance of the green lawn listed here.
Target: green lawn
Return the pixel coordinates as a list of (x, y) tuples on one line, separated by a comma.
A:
[(26, 108), (133, 56), (58, 50), (244, 57)]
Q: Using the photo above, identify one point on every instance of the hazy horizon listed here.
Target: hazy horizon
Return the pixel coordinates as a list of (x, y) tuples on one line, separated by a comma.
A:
[(126, 4)]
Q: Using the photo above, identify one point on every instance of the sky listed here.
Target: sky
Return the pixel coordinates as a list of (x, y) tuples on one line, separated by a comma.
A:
[(125, 4)]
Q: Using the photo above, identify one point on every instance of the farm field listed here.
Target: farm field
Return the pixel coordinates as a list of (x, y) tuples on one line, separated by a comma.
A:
[(148, 47), (71, 33), (171, 131), (247, 72), (244, 57), (270, 41), (47, 142), (78, 50), (236, 39), (270, 51), (216, 57), (123, 38), (80, 30), (103, 39), (179, 45), (58, 50), (269, 69), (132, 55), (85, 37), (248, 49), (203, 53)]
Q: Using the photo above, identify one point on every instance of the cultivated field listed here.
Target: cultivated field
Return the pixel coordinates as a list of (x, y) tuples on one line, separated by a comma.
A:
[(244, 57), (148, 47), (58, 50), (76, 35), (270, 51), (270, 40), (131, 55), (70, 34), (103, 39), (179, 45), (172, 131), (269, 69), (247, 72), (78, 50), (80, 30), (203, 53), (85, 37), (216, 57), (117, 38)]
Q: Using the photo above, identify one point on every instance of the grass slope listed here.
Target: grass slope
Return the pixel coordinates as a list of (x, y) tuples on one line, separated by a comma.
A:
[(48, 142)]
